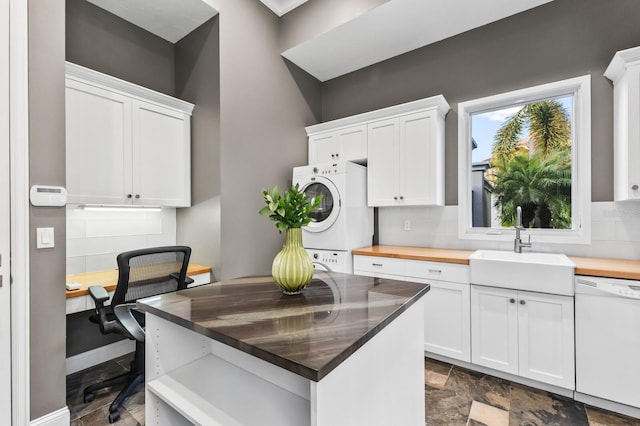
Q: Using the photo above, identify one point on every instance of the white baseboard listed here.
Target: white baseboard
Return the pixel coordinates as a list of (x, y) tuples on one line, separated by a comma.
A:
[(61, 417), (99, 355), (608, 405)]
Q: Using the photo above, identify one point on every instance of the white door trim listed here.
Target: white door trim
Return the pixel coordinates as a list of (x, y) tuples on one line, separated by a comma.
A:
[(19, 163)]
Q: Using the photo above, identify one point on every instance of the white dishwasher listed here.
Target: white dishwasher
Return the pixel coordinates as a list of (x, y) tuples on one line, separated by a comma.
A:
[(608, 339)]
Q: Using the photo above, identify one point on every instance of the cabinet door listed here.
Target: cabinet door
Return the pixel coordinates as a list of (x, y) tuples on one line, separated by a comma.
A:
[(546, 342), (421, 156), (98, 145), (322, 148), (494, 328), (352, 143), (447, 320), (382, 167), (161, 156), (633, 141)]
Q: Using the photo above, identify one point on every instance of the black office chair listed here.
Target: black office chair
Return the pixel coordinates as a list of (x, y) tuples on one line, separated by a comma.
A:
[(141, 273)]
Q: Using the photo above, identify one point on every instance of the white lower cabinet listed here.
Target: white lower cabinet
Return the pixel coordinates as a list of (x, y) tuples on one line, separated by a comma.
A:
[(524, 333), (447, 304), (447, 320)]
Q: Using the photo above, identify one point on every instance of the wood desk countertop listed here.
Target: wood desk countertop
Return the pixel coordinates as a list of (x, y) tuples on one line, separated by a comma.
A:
[(594, 266), (109, 278)]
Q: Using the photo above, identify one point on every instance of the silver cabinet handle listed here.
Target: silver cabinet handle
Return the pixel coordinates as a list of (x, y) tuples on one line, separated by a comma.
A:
[(435, 271), (376, 264)]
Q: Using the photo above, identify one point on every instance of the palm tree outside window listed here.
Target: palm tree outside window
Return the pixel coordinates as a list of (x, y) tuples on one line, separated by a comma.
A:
[(529, 164)]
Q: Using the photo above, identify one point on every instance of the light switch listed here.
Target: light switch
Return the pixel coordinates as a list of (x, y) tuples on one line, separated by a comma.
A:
[(44, 238)]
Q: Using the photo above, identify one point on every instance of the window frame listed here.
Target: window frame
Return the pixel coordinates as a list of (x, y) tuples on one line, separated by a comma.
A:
[(580, 89)]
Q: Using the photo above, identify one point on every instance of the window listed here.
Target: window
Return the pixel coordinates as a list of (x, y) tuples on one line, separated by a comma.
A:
[(528, 148)]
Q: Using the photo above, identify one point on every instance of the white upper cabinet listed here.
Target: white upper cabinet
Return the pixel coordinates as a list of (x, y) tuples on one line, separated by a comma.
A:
[(98, 124), (347, 144), (624, 72), (125, 144), (406, 160), (402, 145)]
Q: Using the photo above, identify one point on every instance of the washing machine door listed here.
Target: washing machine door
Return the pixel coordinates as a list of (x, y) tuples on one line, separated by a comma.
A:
[(326, 214)]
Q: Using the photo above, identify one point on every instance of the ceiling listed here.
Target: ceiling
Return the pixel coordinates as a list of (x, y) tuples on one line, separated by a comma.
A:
[(391, 29), (280, 7), (168, 19), (394, 28)]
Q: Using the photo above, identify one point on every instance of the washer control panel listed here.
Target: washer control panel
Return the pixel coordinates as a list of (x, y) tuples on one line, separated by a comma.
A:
[(335, 261), (327, 169)]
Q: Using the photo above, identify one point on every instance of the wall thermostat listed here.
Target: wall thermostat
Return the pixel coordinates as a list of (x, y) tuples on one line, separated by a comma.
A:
[(50, 196)]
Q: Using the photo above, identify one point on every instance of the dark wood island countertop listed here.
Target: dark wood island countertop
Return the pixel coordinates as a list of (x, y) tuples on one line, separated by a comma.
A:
[(308, 334)]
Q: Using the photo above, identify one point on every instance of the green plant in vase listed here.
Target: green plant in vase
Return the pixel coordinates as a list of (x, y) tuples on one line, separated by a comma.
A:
[(292, 269)]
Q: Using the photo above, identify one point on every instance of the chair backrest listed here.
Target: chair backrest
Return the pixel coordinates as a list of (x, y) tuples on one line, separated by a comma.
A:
[(151, 271)]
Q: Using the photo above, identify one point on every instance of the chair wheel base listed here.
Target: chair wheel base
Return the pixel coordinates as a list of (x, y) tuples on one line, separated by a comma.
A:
[(114, 417), (88, 397)]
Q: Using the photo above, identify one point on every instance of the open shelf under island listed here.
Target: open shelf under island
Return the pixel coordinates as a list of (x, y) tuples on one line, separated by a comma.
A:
[(348, 351)]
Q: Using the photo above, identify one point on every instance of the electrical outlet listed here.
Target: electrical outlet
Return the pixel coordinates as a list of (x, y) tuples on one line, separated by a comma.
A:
[(407, 225)]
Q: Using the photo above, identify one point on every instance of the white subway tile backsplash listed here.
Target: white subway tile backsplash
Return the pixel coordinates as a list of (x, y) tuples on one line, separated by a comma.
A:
[(76, 265), (107, 223), (627, 230), (96, 237), (602, 230), (76, 227), (615, 231), (76, 247), (101, 262), (160, 240)]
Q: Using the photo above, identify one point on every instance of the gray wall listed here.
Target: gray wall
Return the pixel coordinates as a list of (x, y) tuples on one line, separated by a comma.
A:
[(104, 42), (263, 111), (198, 82), (47, 167), (561, 39)]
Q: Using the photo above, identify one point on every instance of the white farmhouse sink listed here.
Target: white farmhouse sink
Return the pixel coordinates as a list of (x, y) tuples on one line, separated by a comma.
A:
[(541, 272)]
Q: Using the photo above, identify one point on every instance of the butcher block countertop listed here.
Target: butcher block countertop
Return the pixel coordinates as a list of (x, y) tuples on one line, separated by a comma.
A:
[(594, 266), (417, 253), (109, 278), (610, 268)]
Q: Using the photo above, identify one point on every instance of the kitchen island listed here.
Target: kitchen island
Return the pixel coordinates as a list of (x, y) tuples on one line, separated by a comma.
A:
[(348, 351)]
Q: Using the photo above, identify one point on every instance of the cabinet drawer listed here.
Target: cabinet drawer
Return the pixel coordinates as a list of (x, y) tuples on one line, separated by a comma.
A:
[(378, 266), (438, 271)]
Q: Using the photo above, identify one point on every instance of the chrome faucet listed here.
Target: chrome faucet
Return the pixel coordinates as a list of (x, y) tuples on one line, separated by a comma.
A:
[(517, 243)]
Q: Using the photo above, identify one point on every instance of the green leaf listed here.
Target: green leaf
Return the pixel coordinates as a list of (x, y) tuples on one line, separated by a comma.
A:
[(265, 211)]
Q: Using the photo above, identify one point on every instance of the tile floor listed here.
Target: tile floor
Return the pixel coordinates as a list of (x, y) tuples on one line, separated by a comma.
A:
[(457, 396), (95, 413), (453, 396)]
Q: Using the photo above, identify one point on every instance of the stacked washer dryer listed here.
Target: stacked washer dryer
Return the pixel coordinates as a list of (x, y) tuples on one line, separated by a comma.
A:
[(342, 221)]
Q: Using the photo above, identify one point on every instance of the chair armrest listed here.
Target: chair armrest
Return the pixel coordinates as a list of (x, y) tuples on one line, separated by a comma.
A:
[(127, 320), (187, 280), (98, 294)]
